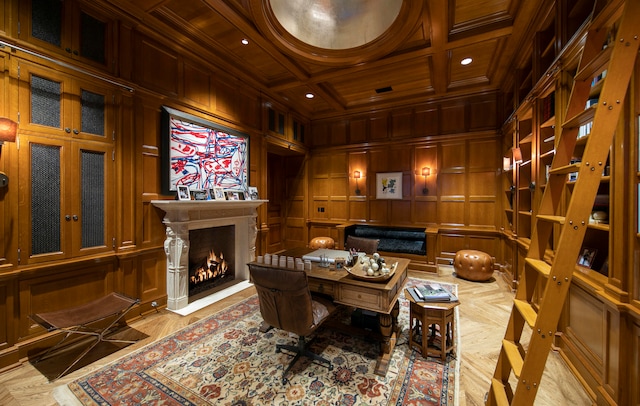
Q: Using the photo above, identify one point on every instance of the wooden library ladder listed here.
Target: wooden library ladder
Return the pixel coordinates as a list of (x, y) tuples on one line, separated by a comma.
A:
[(553, 280)]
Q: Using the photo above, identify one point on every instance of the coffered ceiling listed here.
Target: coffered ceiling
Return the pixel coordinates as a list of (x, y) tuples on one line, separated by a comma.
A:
[(416, 59)]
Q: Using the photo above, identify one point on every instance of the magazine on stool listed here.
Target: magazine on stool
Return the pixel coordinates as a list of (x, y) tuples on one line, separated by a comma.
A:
[(431, 292)]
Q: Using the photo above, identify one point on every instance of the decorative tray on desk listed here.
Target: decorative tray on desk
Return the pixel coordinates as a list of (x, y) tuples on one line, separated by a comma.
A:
[(357, 272)]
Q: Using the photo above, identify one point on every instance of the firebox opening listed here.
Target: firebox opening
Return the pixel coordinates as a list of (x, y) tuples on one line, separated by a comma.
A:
[(211, 260)]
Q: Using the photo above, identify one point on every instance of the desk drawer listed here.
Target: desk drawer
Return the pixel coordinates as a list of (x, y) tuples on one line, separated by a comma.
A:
[(360, 297), (324, 287)]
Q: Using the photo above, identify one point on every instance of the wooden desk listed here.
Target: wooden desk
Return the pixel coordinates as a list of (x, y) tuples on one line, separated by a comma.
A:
[(379, 297)]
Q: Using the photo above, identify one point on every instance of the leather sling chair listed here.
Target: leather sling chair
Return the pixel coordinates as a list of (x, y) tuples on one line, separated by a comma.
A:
[(287, 304)]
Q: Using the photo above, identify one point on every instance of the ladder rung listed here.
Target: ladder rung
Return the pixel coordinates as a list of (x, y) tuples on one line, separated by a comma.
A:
[(563, 170), (499, 392), (513, 355), (551, 219), (582, 118), (527, 311), (539, 265), (595, 66)]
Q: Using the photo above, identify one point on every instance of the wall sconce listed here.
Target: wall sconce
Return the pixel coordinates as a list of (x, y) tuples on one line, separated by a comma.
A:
[(8, 131), (506, 163), (356, 175), (426, 171), (517, 155)]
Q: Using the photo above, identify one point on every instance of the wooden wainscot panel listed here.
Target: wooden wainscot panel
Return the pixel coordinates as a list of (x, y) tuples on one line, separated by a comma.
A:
[(249, 109), (488, 244), (59, 288), (452, 185), (152, 55), (319, 209), (337, 209), (484, 156), (153, 277), (338, 188), (358, 210), (426, 120), (400, 212), (319, 134), (338, 164), (426, 212), (358, 130), (450, 243), (401, 123), (378, 211), (582, 341), (483, 115), (196, 85), (634, 362), (320, 188), (452, 118), (6, 310), (320, 166), (453, 155), (226, 101), (482, 213), (379, 127), (339, 133), (451, 212)]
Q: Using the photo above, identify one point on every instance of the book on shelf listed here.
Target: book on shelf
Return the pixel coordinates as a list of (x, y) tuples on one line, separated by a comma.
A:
[(432, 292)]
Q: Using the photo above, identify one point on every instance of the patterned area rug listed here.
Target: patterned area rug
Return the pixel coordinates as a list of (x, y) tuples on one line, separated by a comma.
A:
[(226, 360)]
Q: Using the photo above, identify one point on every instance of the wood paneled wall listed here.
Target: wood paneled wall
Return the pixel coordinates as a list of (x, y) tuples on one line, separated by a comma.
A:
[(456, 140)]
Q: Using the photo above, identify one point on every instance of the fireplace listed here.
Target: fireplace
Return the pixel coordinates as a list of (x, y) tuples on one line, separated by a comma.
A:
[(211, 260), (186, 224)]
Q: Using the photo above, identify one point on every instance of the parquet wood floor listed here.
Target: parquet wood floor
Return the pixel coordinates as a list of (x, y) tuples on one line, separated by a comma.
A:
[(484, 312)]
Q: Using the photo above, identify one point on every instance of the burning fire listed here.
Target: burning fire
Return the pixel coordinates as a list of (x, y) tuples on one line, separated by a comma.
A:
[(215, 266)]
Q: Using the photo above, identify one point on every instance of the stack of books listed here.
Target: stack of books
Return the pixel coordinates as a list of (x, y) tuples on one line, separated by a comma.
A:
[(431, 292)]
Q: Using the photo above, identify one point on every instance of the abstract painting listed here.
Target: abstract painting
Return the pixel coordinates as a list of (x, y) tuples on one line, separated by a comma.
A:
[(389, 185), (202, 155)]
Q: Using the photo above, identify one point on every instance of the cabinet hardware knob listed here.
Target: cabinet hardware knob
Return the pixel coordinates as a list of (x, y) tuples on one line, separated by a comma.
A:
[(68, 50), (75, 217), (67, 129), (75, 52), (67, 217), (76, 132)]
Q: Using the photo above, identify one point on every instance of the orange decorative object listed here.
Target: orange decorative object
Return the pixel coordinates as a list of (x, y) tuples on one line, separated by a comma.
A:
[(473, 265), (322, 242), (8, 130)]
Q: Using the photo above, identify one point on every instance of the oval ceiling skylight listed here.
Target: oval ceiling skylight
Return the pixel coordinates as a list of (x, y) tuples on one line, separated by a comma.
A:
[(336, 24)]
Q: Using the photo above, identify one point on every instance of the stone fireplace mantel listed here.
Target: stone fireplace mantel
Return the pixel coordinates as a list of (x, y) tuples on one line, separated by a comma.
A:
[(182, 216)]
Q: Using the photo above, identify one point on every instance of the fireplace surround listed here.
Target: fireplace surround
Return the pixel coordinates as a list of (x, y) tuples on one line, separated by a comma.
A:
[(183, 216)]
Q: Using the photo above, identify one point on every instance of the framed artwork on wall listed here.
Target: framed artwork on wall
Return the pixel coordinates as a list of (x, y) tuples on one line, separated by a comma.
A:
[(200, 154), (389, 185)]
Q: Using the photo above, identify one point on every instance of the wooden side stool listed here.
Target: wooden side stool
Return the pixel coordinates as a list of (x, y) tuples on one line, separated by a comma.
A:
[(426, 321)]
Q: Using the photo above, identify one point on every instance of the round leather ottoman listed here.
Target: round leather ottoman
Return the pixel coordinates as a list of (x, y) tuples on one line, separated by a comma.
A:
[(473, 265), (322, 242)]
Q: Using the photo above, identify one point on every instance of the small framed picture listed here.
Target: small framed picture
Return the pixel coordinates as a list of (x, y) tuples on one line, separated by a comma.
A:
[(218, 194), (183, 192), (253, 193), (586, 257), (200, 195), (232, 195)]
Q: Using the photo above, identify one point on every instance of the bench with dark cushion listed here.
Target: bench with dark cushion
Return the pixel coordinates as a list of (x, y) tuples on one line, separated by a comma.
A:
[(400, 240)]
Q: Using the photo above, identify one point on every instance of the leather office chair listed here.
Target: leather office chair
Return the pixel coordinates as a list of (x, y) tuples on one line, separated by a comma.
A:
[(366, 245), (286, 303)]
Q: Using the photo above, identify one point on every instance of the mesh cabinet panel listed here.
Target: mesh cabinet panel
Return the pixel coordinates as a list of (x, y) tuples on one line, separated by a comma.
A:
[(46, 21), (45, 101), (92, 168), (92, 38), (92, 112), (45, 199)]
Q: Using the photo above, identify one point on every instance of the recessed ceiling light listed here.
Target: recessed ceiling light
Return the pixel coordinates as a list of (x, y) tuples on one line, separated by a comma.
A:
[(466, 61), (309, 95), (245, 41)]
